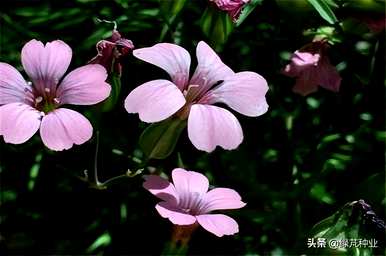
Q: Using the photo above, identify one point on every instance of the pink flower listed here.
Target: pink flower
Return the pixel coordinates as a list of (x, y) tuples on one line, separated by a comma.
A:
[(188, 201), (111, 51), (311, 67), (212, 82), (233, 7), (27, 106)]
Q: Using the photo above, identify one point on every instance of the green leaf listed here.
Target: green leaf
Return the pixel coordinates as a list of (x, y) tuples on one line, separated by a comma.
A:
[(34, 171), (217, 26), (324, 10), (319, 192), (355, 221), (111, 101), (328, 139), (247, 10), (32, 11), (159, 139), (102, 241), (172, 7), (149, 12)]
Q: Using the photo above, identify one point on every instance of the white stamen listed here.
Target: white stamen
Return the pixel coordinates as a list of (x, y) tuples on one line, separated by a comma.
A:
[(56, 100), (29, 83), (47, 89), (42, 113), (192, 86), (38, 99)]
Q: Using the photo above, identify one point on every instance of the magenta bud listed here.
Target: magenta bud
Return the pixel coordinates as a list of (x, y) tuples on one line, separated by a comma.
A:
[(111, 51), (233, 7)]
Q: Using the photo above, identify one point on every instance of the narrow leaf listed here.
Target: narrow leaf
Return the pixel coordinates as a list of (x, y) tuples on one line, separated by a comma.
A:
[(172, 7), (324, 10), (102, 241), (247, 10)]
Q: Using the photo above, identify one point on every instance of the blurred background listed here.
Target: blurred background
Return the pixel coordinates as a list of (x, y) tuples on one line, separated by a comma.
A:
[(299, 163)]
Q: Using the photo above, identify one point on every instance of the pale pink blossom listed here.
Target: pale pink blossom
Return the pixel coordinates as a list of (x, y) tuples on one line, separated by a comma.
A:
[(311, 67), (233, 7), (28, 106), (212, 82), (187, 201)]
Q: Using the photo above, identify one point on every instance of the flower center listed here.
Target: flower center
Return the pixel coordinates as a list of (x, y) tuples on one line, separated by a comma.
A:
[(191, 93), (46, 102), (192, 204)]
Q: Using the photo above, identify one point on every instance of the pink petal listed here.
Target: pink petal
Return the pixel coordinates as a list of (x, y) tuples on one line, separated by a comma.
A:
[(84, 86), (222, 199), (45, 65), (170, 57), (301, 61), (218, 224), (189, 183), (329, 77), (161, 188), (305, 59), (18, 122), (211, 126), (174, 215), (62, 128), (307, 82), (243, 92), (13, 87), (155, 101), (233, 7), (210, 68)]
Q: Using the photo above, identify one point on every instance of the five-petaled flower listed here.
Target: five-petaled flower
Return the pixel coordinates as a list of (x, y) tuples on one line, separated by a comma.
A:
[(311, 67), (233, 7), (27, 106), (111, 51), (187, 201), (212, 82)]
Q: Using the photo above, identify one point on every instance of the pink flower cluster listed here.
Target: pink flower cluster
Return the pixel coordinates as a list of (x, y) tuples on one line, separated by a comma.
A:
[(193, 97), (28, 106), (187, 201)]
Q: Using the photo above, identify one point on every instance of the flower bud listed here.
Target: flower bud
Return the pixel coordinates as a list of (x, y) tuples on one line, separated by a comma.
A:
[(111, 51)]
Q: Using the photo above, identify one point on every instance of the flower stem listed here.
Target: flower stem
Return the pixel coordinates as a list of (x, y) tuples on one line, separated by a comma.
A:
[(96, 180), (179, 242), (103, 185)]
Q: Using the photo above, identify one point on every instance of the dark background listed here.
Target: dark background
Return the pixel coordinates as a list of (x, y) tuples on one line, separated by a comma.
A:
[(298, 164)]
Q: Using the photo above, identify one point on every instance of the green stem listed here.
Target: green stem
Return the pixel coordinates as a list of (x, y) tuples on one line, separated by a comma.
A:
[(103, 185), (128, 174), (96, 180)]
